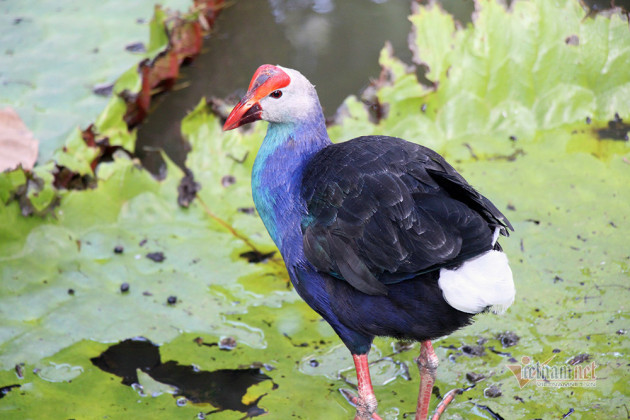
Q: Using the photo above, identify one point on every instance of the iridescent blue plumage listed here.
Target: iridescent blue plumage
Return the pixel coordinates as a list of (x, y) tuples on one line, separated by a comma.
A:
[(276, 188), (376, 232), (277, 175), (375, 214)]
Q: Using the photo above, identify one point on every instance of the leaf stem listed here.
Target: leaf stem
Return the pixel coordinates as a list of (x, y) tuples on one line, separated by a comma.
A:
[(231, 229)]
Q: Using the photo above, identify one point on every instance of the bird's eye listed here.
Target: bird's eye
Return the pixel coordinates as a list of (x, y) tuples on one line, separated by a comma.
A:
[(276, 94)]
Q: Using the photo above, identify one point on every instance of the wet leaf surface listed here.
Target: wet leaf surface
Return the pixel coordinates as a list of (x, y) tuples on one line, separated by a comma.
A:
[(54, 96)]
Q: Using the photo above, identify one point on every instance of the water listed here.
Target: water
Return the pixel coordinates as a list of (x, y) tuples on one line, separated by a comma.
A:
[(334, 43), (222, 388)]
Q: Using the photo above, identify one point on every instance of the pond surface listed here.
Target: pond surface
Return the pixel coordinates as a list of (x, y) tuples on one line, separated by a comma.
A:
[(335, 44)]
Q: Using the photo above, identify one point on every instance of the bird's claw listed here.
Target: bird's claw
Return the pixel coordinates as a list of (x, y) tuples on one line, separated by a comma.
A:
[(365, 411)]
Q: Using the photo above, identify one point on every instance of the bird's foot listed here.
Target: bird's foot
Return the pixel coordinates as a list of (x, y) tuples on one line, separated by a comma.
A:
[(427, 364), (366, 409), (448, 397)]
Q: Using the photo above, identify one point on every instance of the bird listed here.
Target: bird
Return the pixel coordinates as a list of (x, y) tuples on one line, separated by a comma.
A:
[(379, 235)]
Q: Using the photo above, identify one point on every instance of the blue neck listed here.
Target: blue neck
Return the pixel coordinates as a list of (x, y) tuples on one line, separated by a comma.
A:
[(276, 187), (277, 179)]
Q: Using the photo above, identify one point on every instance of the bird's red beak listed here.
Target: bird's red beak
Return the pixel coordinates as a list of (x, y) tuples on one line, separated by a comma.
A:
[(267, 79), (246, 111)]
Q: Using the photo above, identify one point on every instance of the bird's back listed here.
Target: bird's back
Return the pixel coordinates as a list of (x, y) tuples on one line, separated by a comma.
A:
[(385, 220), (382, 210)]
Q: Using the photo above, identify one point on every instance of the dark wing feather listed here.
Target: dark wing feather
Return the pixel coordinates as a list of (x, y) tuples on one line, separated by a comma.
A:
[(382, 210), (456, 186)]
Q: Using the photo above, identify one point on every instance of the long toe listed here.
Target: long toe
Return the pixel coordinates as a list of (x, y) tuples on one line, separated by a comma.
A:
[(448, 397), (365, 411)]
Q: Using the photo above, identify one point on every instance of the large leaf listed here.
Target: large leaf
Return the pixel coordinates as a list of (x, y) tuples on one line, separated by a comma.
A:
[(55, 53)]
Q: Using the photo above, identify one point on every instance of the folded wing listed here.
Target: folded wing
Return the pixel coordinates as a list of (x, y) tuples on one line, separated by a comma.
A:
[(381, 210)]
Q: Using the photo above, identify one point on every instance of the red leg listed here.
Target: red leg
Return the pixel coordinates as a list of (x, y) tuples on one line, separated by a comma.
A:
[(427, 364), (366, 402), (355, 401)]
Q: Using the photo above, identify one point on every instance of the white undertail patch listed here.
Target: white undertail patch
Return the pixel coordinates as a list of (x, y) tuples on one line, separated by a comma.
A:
[(480, 282)]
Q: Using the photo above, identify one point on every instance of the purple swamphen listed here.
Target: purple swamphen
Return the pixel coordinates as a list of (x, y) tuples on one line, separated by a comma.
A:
[(380, 236)]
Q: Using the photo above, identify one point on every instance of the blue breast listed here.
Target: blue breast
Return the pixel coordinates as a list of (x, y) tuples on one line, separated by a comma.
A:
[(277, 178)]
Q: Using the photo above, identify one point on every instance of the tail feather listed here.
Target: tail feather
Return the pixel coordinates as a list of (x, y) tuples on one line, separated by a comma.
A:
[(482, 282)]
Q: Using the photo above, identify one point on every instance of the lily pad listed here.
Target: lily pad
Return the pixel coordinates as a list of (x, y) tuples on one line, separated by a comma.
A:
[(49, 75)]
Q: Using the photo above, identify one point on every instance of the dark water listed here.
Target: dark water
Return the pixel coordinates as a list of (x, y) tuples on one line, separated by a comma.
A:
[(334, 43), (223, 388)]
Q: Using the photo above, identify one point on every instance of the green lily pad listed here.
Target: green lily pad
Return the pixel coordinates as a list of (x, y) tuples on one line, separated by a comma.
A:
[(48, 74)]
